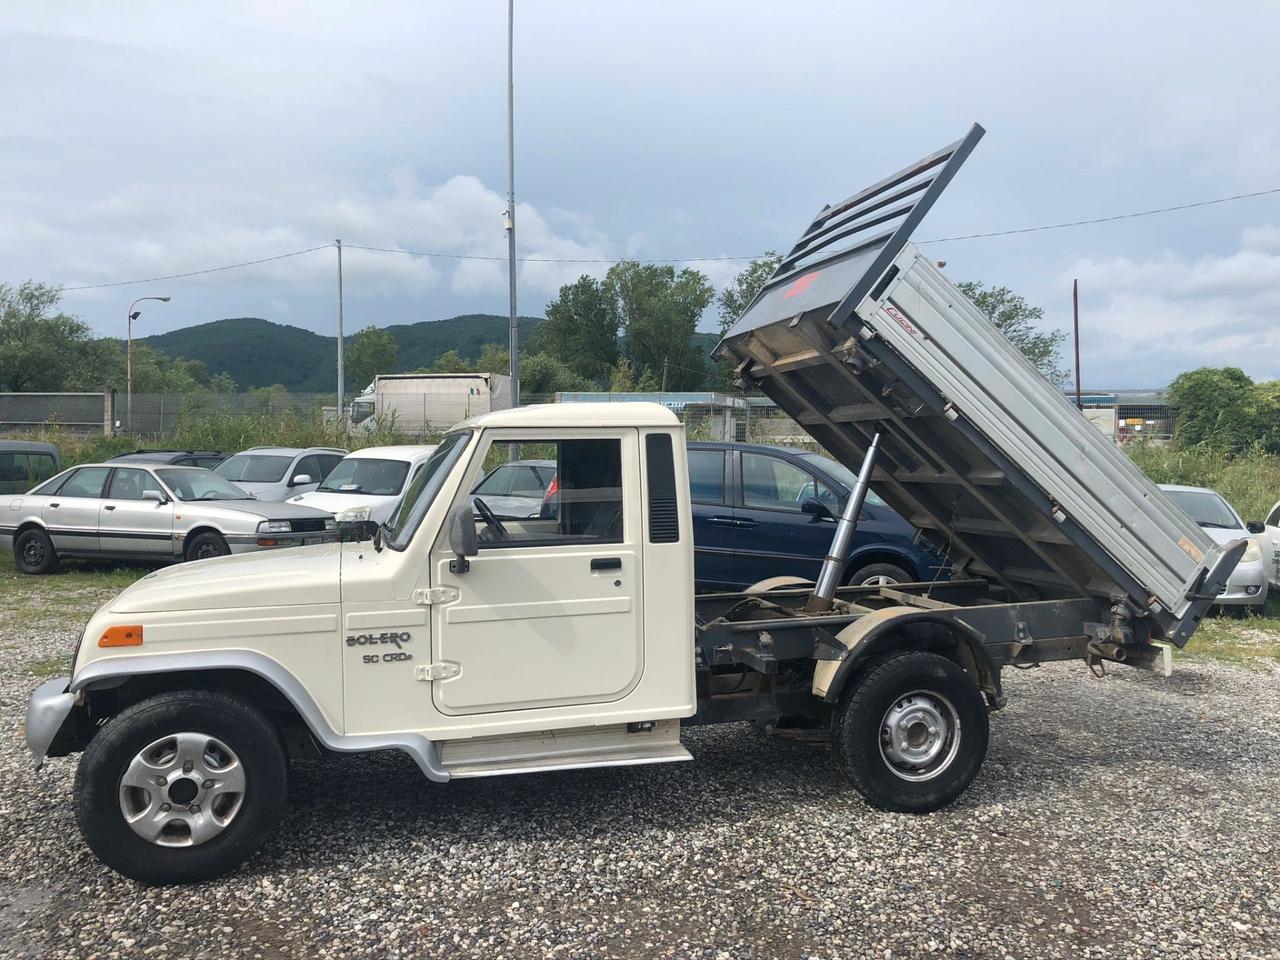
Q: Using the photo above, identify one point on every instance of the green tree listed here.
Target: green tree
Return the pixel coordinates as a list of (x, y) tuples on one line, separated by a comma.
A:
[(450, 362), (39, 345), (581, 328), (542, 375), (1213, 406), (658, 310), (494, 358), (370, 352), (624, 379), (1017, 320), (742, 289)]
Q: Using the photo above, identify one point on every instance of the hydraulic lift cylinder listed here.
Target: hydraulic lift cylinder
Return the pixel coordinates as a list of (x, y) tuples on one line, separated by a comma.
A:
[(824, 590)]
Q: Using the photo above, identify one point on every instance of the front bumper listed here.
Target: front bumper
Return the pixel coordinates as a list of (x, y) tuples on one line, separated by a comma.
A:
[(250, 543), (47, 712), (1246, 587)]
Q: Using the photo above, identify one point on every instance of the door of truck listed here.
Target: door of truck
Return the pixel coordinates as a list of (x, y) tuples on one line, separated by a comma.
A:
[(549, 612)]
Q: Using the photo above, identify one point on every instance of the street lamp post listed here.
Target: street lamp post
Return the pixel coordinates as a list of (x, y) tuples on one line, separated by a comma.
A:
[(128, 361)]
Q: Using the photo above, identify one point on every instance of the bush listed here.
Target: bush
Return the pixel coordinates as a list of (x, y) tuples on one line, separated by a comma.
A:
[(1250, 481)]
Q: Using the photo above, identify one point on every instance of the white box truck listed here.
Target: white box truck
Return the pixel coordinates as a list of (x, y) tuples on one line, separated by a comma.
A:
[(422, 403), (481, 644)]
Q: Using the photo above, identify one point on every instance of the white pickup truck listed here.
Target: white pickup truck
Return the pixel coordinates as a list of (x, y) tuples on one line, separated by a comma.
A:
[(481, 645)]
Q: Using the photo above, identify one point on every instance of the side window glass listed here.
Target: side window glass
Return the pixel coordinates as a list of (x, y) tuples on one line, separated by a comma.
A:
[(585, 507), (130, 484), (706, 475), (86, 482), (1273, 519), (774, 484)]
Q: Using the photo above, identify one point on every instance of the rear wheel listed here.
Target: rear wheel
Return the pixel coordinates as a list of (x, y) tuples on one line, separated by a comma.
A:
[(182, 787), (912, 733), (33, 552), (879, 575), (206, 545)]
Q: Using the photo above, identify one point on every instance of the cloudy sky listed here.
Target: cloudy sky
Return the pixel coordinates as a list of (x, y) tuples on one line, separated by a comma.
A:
[(149, 139)]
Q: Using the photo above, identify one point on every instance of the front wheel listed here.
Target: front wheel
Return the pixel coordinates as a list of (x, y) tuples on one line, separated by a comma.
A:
[(182, 787), (879, 575), (206, 545), (33, 552), (912, 733)]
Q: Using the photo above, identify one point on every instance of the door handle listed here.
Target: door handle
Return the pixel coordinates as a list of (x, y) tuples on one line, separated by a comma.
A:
[(606, 563), (744, 523), (53, 506), (722, 521), (108, 506)]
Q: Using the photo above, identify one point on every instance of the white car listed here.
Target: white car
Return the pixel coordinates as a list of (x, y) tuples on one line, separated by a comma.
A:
[(1269, 539), (374, 478), (1247, 587), (277, 473)]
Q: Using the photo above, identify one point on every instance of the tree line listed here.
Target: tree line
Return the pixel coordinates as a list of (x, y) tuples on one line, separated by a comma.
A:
[(635, 329)]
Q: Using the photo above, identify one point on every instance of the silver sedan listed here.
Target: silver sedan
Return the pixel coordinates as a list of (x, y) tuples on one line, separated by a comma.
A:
[(141, 512)]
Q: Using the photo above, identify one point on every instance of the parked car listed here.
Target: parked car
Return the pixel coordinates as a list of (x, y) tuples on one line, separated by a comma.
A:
[(277, 473), (374, 478), (175, 458), (1247, 587), (753, 519), (24, 463), (518, 489), (141, 512), (1269, 540)]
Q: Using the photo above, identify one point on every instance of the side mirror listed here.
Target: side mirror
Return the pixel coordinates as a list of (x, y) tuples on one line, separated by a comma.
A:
[(462, 538), (300, 479), (155, 496), (816, 509), (1256, 526)]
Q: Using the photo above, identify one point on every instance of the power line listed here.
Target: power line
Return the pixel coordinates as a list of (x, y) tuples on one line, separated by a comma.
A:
[(196, 273), (611, 260), (468, 256), (1120, 216)]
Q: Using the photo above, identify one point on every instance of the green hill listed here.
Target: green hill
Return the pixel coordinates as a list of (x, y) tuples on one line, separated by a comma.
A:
[(259, 353)]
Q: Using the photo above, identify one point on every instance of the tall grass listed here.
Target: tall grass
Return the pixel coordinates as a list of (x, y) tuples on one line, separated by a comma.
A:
[(1250, 481)]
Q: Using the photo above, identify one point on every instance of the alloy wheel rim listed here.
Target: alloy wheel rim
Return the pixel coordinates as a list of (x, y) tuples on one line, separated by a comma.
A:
[(182, 790)]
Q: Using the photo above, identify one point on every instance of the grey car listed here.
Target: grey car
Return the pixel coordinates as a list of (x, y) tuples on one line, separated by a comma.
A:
[(145, 512), (278, 473)]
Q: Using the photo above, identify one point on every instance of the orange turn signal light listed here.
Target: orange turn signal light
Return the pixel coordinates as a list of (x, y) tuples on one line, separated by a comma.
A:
[(121, 637)]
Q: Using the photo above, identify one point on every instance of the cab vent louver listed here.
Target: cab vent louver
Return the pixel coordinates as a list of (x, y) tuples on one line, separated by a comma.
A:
[(664, 515)]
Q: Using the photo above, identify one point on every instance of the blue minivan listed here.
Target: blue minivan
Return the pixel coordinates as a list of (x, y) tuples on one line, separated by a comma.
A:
[(754, 518)]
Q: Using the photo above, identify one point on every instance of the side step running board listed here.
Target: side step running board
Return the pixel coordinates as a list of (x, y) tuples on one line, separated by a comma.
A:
[(574, 749)]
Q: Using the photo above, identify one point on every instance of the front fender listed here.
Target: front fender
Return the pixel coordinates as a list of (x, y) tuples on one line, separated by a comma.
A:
[(116, 670)]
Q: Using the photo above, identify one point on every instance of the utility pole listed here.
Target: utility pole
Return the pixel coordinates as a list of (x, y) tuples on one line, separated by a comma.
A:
[(341, 368), (513, 333), (664, 374), (1075, 313)]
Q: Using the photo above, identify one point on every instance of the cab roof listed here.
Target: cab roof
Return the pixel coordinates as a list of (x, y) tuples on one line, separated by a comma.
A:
[(624, 414)]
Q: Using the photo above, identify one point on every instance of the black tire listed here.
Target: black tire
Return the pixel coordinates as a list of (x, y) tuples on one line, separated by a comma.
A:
[(880, 573), (206, 545), (33, 552), (241, 727), (856, 732)]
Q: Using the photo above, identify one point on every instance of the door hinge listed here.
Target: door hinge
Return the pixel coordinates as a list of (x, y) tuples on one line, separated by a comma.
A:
[(430, 595), (445, 670)]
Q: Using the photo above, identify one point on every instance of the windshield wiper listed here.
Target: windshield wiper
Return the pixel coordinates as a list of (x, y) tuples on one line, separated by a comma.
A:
[(1217, 526)]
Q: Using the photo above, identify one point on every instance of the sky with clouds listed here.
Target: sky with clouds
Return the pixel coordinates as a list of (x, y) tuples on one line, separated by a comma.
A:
[(149, 139)]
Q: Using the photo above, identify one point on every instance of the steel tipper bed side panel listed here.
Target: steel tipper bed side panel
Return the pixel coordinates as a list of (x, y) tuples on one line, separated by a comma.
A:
[(980, 451)]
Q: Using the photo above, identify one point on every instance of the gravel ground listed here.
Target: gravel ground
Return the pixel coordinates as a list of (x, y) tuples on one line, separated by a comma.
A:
[(1124, 817)]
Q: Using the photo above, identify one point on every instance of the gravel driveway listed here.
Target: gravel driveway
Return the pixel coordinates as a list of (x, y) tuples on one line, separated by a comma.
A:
[(1130, 816)]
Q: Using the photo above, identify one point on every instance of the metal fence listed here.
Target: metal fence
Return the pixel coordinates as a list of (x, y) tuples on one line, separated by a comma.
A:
[(75, 412)]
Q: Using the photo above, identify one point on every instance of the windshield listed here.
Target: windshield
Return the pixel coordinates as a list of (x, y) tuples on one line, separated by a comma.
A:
[(1206, 508), (197, 483), (254, 468), (377, 478), (838, 471), (422, 491), (361, 410)]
